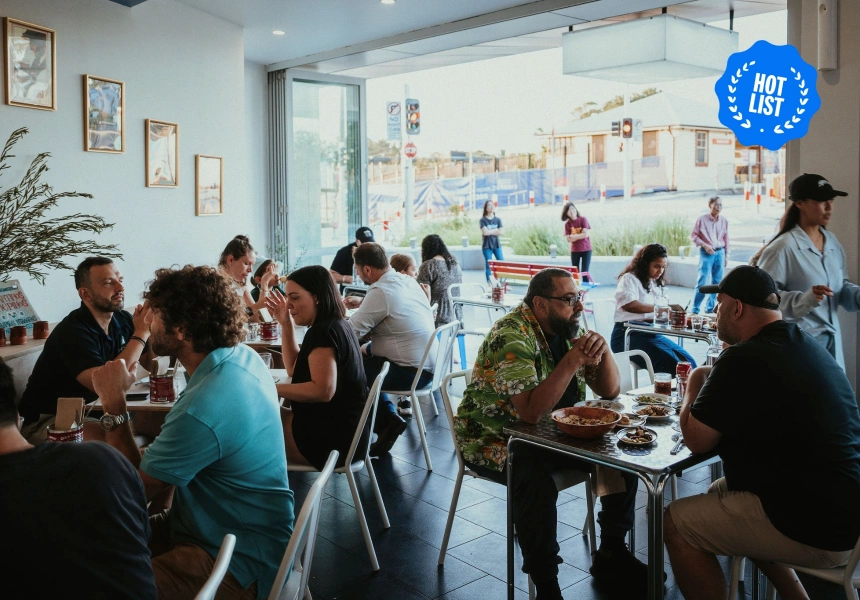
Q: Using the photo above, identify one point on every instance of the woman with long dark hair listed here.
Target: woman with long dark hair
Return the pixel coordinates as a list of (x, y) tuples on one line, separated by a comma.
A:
[(324, 400), (576, 231), (807, 263), (491, 229), (634, 301), (439, 270)]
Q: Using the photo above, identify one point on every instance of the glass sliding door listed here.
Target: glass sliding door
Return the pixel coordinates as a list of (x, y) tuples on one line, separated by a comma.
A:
[(326, 164)]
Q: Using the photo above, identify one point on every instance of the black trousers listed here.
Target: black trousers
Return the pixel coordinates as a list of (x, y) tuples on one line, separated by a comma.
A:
[(535, 513)]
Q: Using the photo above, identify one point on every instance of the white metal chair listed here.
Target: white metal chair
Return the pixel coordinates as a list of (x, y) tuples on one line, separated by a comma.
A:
[(291, 582), (207, 592), (629, 376), (442, 341), (848, 576), (457, 289), (564, 478), (352, 464)]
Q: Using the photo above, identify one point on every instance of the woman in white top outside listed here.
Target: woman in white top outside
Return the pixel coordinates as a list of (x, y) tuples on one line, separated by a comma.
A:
[(807, 263), (634, 301)]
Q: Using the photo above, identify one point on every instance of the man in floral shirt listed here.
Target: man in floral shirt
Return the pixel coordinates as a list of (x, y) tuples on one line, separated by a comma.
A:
[(534, 360)]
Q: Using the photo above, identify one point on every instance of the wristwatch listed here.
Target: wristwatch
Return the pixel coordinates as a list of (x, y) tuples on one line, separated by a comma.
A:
[(111, 422)]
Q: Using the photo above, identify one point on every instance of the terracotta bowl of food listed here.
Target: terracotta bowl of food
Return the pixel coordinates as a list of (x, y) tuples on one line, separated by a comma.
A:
[(585, 421)]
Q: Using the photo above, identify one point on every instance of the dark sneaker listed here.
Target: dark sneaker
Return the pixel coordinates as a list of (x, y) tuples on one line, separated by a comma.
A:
[(404, 407), (387, 435), (620, 565)]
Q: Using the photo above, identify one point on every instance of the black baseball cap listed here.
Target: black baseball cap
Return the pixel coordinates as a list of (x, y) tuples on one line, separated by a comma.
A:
[(364, 235), (810, 186), (750, 285)]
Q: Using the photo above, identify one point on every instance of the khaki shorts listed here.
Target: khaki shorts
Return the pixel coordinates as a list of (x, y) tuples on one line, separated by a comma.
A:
[(182, 569), (728, 523)]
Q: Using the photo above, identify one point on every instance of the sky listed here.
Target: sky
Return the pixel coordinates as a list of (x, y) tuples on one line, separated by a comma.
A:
[(498, 104)]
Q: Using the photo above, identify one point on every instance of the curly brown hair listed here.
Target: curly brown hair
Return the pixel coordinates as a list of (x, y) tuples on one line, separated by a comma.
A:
[(202, 302)]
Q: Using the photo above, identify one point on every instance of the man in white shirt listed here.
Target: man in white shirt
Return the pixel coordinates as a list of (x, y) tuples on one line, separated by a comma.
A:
[(398, 319)]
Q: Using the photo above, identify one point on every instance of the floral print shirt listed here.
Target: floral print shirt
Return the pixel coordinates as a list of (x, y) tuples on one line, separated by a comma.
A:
[(514, 358)]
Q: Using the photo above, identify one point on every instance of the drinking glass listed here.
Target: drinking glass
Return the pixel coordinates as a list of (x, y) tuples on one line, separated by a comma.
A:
[(663, 384), (661, 309), (696, 322), (267, 359)]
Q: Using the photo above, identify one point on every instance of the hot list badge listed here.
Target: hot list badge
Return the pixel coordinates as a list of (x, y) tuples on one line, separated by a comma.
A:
[(767, 95)]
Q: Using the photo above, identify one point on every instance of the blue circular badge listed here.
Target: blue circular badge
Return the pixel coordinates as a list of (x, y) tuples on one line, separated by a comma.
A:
[(767, 95)]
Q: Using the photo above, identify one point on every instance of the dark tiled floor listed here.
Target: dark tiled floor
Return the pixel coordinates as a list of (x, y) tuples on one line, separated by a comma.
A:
[(417, 503)]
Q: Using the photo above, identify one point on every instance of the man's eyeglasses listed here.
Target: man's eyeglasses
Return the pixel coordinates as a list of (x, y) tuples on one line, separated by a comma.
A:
[(569, 300)]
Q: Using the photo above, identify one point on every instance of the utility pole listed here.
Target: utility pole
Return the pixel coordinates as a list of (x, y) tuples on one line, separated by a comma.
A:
[(628, 179), (408, 209)]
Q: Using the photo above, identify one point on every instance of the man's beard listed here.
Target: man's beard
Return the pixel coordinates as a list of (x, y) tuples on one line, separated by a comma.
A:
[(163, 344), (107, 305), (724, 333), (567, 328)]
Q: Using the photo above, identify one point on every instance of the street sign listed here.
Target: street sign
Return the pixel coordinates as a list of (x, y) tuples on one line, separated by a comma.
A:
[(410, 150), (393, 111), (637, 130)]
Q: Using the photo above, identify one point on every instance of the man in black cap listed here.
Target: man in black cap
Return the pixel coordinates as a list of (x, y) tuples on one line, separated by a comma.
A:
[(784, 419), (342, 265)]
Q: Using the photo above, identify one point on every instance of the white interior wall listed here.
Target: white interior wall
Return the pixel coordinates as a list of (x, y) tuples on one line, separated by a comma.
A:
[(179, 65), (832, 146)]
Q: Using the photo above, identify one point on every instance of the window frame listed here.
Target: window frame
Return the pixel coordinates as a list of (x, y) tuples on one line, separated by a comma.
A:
[(704, 147)]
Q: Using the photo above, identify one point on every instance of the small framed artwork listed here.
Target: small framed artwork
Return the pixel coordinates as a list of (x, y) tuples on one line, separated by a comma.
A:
[(162, 154), (30, 65), (104, 114), (209, 196)]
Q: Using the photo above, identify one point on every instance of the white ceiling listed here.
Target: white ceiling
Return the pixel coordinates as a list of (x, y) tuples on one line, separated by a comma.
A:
[(365, 38)]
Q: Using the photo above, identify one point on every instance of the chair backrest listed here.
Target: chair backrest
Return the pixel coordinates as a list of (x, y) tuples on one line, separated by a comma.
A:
[(629, 371), (449, 406), (369, 412), (444, 336), (207, 592), (295, 569)]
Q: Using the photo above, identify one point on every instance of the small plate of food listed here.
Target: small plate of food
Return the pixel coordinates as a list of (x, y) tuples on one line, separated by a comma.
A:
[(655, 412), (607, 404), (637, 436), (630, 420), (652, 399)]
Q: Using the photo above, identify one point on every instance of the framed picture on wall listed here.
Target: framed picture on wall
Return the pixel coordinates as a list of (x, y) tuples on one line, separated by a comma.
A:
[(104, 114), (209, 177), (162, 154), (30, 65)]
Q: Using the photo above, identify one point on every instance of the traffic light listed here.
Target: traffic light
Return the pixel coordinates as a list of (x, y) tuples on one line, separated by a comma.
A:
[(616, 128), (627, 128), (413, 117)]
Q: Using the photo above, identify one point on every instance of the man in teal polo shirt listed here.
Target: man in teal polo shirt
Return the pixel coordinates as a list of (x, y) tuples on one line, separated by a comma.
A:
[(222, 445)]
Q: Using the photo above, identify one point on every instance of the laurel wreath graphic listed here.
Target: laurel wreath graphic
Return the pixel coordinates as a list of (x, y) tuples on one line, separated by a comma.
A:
[(795, 118), (739, 116)]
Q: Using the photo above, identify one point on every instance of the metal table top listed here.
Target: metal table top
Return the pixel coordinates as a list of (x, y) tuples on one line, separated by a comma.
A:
[(607, 450), (703, 335)]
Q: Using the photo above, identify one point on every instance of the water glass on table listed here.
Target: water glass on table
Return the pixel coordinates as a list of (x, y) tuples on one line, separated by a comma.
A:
[(266, 357), (663, 384)]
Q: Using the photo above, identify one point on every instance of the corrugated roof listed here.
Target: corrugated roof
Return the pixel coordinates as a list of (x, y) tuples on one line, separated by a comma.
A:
[(659, 110)]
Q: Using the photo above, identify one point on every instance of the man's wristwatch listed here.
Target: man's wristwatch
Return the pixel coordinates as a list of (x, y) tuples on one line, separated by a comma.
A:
[(111, 422)]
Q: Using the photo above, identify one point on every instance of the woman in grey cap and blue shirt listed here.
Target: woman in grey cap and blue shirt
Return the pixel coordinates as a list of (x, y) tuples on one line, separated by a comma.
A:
[(807, 263)]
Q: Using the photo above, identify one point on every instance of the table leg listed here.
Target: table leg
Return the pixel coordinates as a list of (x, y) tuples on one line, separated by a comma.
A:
[(655, 536), (509, 468)]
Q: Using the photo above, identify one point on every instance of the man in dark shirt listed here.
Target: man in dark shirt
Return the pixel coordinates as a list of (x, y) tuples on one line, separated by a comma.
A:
[(99, 331), (76, 522), (782, 415), (341, 266)]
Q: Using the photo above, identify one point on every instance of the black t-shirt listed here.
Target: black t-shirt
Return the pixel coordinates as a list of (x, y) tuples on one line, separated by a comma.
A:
[(77, 343), (75, 524), (343, 260), (320, 427), (790, 433), (490, 242), (558, 347)]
